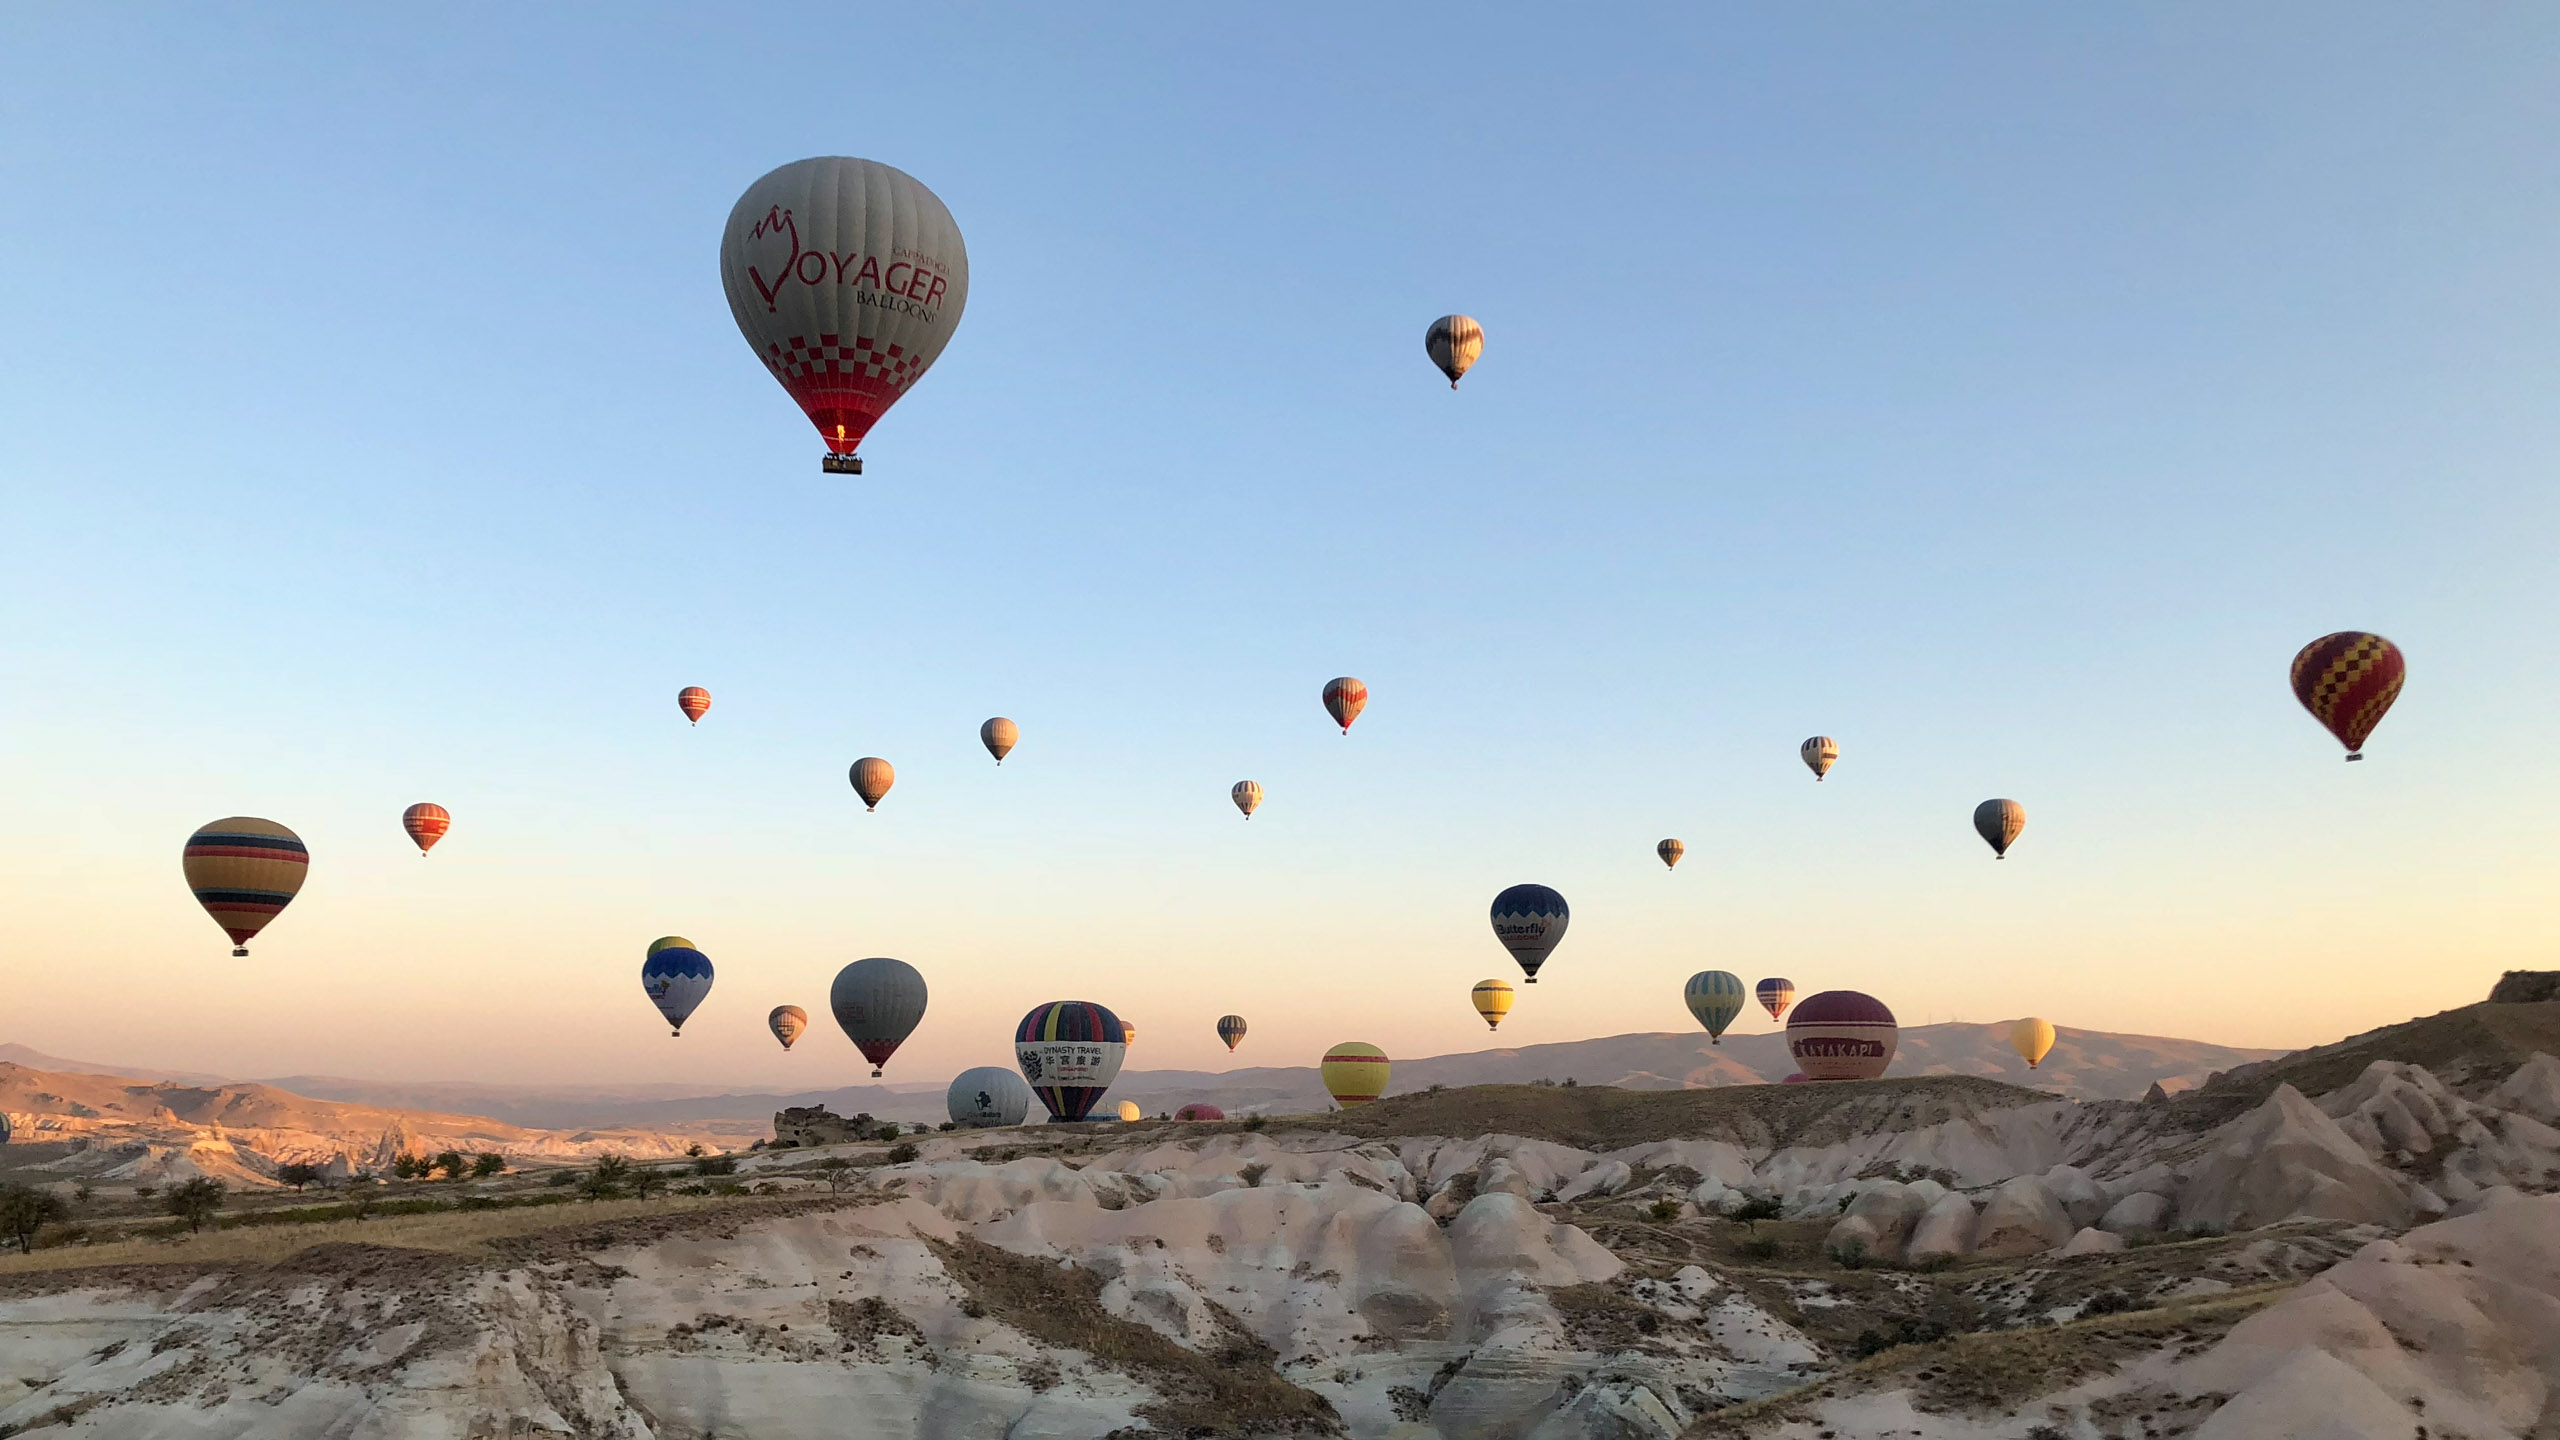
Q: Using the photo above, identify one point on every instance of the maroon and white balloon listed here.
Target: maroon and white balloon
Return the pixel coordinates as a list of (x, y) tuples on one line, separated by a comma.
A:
[(1842, 1035)]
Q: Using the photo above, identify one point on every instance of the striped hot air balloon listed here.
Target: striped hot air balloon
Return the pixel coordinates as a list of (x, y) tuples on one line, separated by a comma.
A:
[(878, 1003), (1842, 1035), (872, 777), (1453, 342), (1070, 1051), (1355, 1073), (1820, 754), (1670, 851), (787, 1022), (1492, 999), (1715, 997), (2348, 681), (1776, 994), (1248, 796), (1999, 823), (1344, 699), (244, 871), (676, 979), (999, 736), (695, 702), (1529, 920), (1231, 1030), (426, 825)]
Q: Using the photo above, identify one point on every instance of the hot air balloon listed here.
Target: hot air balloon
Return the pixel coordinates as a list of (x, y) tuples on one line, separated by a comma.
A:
[(987, 1096), (1820, 754), (878, 1003), (1492, 1001), (2348, 681), (244, 871), (1070, 1051), (426, 825), (1344, 699), (2032, 1038), (1998, 823), (668, 942), (1128, 1033), (1453, 342), (1248, 797), (675, 978), (695, 702), (1776, 994), (1130, 1114), (1355, 1073), (847, 277), (1670, 851), (1199, 1110), (999, 735), (1842, 1035), (1529, 920), (1715, 997), (872, 777), (786, 1022), (1231, 1030)]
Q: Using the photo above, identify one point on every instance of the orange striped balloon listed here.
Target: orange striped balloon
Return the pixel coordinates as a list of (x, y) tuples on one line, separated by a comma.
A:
[(426, 825), (2348, 681), (244, 871), (695, 702), (1344, 698)]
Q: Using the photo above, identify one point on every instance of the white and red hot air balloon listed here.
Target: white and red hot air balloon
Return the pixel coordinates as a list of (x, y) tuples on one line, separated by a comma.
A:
[(847, 277)]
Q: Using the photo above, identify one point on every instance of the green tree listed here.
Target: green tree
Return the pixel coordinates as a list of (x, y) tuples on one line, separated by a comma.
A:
[(25, 1210), (405, 1166), (693, 1151), (196, 1201), (837, 1171), (299, 1174), (612, 1172), (451, 1163), (716, 1165), (647, 1181), (486, 1164)]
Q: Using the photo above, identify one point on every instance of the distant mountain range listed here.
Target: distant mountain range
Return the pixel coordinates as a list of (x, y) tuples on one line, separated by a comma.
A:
[(2085, 1064)]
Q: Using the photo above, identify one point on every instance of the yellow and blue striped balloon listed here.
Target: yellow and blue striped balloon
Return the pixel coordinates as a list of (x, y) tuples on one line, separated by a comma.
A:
[(1715, 997)]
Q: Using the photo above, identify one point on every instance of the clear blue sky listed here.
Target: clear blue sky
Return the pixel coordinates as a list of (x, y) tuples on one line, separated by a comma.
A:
[(2006, 390)]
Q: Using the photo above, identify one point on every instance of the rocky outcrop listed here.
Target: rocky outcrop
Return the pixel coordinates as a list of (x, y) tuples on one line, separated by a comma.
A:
[(2021, 1217), (2287, 1159), (2525, 987), (1944, 1232)]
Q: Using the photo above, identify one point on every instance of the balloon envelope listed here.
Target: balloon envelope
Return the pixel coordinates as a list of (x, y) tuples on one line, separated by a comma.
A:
[(676, 979), (1130, 1113), (1344, 699), (244, 871), (1776, 994), (1820, 754), (1670, 851), (872, 777), (1453, 342), (999, 736), (695, 702), (2348, 681), (1529, 920), (2032, 1038), (668, 942), (426, 824), (1231, 1029), (1355, 1073), (847, 278), (1998, 823), (1248, 797), (1714, 997), (1199, 1111), (1492, 1000), (787, 1022), (987, 1096), (1128, 1033), (878, 1003), (1070, 1051), (1842, 1035)]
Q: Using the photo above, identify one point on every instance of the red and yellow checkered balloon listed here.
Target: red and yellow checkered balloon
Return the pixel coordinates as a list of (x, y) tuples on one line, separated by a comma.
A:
[(2348, 681)]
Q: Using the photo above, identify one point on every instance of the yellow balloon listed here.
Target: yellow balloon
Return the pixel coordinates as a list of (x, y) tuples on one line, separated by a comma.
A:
[(2032, 1038), (1129, 1111), (671, 942), (1355, 1073), (1493, 1001)]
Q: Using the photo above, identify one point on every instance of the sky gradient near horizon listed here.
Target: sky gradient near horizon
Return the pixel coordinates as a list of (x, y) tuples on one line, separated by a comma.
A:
[(2006, 391)]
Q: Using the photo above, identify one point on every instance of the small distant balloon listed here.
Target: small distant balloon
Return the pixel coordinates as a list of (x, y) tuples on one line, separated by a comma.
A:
[(1130, 1114), (675, 978), (244, 871), (872, 777), (1998, 823), (2348, 681), (1670, 851), (1530, 920), (878, 1003), (1248, 796), (1355, 1073), (1344, 699), (1776, 994), (1199, 1110), (426, 825), (1128, 1033), (695, 702), (1820, 754), (2032, 1038), (1492, 999), (999, 735), (1715, 998), (1453, 342), (1231, 1030), (786, 1022), (986, 1097)]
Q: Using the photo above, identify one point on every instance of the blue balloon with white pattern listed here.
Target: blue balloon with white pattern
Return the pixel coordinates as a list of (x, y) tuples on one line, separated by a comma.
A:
[(676, 979)]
